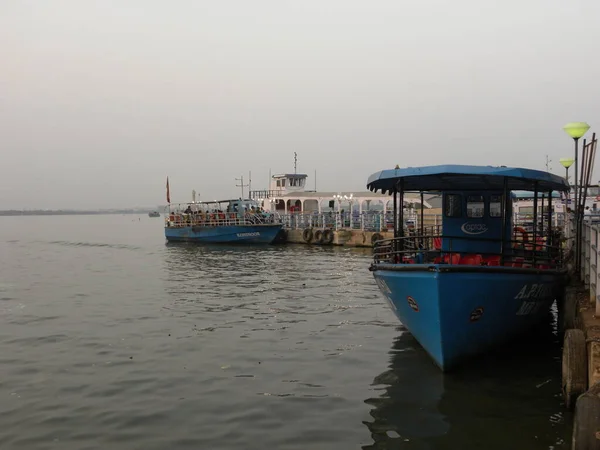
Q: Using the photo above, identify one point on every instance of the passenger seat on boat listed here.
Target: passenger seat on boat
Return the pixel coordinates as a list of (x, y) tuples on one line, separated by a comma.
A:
[(492, 260), (452, 258), (471, 260)]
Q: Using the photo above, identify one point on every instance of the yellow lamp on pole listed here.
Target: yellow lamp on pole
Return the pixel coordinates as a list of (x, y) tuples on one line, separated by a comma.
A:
[(566, 163)]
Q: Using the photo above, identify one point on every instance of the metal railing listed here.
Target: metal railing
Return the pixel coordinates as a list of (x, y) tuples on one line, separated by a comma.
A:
[(365, 221), (433, 247), (181, 220), (590, 258), (380, 221), (266, 193)]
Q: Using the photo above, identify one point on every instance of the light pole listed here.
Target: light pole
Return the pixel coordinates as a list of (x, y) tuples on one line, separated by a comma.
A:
[(566, 163), (576, 130)]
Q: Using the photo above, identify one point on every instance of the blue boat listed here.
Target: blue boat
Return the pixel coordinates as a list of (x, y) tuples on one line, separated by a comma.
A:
[(477, 279), (224, 221)]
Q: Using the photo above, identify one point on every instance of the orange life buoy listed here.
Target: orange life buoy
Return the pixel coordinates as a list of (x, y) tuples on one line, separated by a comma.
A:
[(524, 234)]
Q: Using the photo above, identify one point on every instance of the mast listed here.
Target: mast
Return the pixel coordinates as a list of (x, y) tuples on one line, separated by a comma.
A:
[(241, 185)]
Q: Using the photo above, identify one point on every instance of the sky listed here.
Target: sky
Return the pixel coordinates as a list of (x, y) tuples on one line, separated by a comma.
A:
[(101, 100)]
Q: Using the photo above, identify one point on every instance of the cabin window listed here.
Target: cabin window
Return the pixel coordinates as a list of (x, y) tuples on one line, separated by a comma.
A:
[(475, 206), (495, 206), (453, 205), (278, 183), (283, 182)]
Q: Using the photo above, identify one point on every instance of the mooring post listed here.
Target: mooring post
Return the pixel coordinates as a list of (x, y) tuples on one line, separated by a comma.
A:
[(586, 426)]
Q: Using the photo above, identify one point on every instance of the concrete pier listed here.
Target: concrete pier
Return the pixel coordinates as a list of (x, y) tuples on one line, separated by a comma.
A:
[(580, 322), (349, 238)]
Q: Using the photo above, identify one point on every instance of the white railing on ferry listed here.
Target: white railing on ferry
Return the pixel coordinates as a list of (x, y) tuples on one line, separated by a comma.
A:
[(219, 219), (365, 221), (379, 221)]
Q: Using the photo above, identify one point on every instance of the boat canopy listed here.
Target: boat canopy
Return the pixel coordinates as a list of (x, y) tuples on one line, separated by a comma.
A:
[(465, 178)]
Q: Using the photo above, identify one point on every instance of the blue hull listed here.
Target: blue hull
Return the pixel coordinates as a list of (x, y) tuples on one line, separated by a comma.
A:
[(458, 314), (246, 234)]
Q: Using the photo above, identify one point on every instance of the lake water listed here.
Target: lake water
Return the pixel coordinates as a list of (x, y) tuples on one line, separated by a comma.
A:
[(111, 339)]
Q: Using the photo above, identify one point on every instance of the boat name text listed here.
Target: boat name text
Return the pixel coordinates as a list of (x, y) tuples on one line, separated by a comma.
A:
[(255, 233), (535, 291), (473, 228)]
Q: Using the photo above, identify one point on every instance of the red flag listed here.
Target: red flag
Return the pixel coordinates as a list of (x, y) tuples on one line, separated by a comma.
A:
[(168, 192)]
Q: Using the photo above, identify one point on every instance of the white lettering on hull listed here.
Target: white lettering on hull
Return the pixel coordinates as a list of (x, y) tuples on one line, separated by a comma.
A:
[(535, 291), (534, 296), (253, 234), (386, 291)]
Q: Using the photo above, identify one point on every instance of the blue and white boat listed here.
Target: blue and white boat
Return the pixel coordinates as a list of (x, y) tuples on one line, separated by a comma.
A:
[(225, 221), (477, 279)]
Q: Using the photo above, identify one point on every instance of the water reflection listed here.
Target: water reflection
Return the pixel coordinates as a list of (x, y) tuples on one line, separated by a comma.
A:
[(473, 408)]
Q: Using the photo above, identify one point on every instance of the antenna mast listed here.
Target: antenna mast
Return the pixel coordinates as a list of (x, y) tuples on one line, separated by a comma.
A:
[(295, 162), (548, 161), (241, 185)]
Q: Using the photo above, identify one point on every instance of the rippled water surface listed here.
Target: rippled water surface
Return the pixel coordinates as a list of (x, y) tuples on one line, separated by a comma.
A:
[(111, 339)]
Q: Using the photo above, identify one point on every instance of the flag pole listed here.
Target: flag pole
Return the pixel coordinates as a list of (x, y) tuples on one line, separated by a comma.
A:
[(168, 194)]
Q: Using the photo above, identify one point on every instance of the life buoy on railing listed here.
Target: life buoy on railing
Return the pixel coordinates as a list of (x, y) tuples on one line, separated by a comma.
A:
[(307, 234), (318, 236), (376, 237), (232, 216), (524, 234), (328, 236), (221, 216)]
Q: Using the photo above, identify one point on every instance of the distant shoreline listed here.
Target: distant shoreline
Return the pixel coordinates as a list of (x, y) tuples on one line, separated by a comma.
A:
[(69, 213)]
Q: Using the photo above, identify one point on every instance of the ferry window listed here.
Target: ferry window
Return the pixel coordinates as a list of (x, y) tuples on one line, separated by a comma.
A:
[(475, 206), (283, 182), (278, 183), (495, 206), (453, 206)]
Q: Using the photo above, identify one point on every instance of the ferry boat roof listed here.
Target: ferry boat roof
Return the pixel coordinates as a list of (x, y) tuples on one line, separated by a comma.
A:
[(463, 177), (214, 202)]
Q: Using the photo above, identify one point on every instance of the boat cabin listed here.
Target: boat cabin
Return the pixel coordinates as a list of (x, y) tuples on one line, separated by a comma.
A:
[(477, 226)]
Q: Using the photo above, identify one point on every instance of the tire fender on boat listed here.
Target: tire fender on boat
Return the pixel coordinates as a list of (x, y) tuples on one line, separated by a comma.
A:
[(574, 366), (327, 236), (318, 236), (307, 234), (376, 237)]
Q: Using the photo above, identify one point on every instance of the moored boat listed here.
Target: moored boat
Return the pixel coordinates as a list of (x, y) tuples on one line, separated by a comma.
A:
[(153, 214), (225, 221), (477, 279)]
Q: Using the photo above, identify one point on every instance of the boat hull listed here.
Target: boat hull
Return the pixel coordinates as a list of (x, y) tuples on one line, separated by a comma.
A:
[(243, 234), (457, 314)]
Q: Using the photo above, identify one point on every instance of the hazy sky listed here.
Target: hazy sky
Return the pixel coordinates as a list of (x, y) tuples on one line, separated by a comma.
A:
[(101, 100)]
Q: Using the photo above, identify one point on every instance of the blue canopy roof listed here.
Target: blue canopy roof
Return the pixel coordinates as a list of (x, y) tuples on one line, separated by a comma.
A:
[(463, 178)]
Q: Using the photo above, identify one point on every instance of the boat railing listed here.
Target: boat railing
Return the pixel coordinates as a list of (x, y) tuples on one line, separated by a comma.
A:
[(364, 221), (379, 221), (181, 220), (545, 253)]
